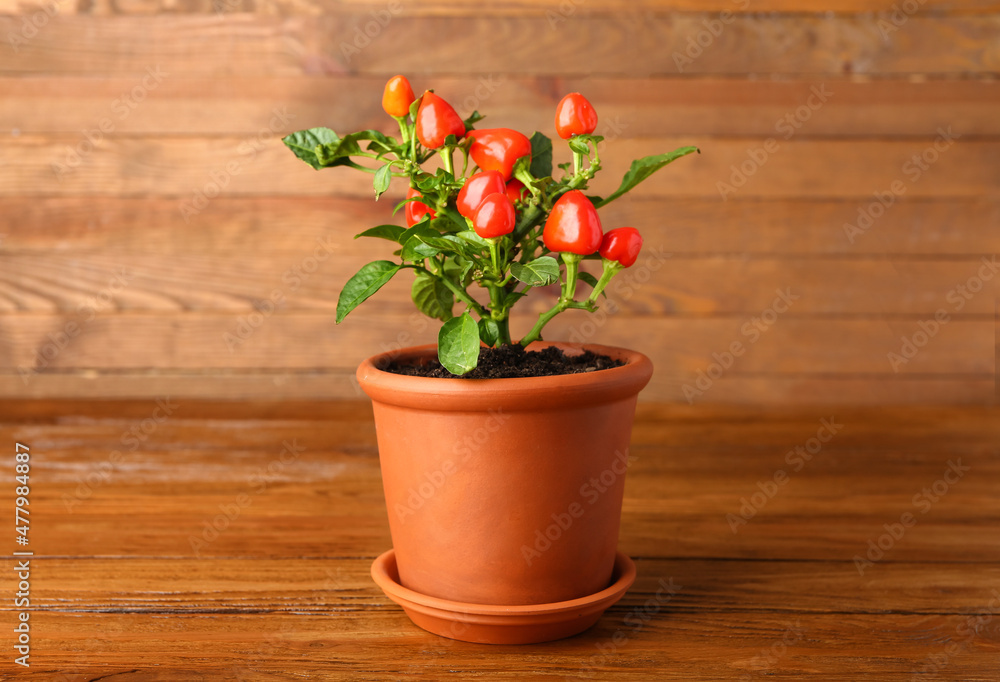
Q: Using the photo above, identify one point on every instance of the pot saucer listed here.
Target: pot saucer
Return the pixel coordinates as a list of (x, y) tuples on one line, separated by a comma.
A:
[(502, 624)]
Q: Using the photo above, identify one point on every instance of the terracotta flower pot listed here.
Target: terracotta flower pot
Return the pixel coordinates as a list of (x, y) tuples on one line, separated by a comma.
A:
[(505, 491)]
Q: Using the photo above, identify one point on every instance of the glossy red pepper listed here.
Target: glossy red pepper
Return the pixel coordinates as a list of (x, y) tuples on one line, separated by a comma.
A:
[(436, 120), (573, 225), (516, 190), (397, 97), (498, 149), (416, 210), (575, 116), (477, 188), (494, 217), (622, 244)]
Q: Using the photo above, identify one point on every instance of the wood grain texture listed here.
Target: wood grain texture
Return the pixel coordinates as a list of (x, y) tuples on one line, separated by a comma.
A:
[(118, 589), (734, 389), (196, 170), (794, 345), (662, 283), (497, 7), (192, 96), (628, 107), (637, 43), (783, 228)]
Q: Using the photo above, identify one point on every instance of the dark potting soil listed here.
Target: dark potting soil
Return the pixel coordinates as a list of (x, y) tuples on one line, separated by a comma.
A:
[(505, 362)]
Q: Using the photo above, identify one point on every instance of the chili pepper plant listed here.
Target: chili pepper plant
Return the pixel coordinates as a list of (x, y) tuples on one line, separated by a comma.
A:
[(484, 209)]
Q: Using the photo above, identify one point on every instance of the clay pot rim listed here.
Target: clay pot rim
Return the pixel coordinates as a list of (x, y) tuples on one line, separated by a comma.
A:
[(447, 394), (383, 572)]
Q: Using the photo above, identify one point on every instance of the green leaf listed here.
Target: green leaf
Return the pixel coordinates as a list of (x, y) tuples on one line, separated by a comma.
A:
[(447, 243), (591, 280), (366, 282), (458, 344), (471, 237), (432, 297), (390, 232), (538, 273), (381, 181), (489, 331), (541, 155), (337, 152), (579, 146), (378, 142), (416, 250), (304, 143), (473, 119), (421, 227), (466, 277), (642, 169)]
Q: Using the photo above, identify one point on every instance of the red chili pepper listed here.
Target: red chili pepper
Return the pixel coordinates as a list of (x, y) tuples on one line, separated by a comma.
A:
[(516, 190), (416, 210), (495, 216), (622, 244), (573, 225), (477, 188), (397, 97), (436, 120), (575, 116), (498, 149)]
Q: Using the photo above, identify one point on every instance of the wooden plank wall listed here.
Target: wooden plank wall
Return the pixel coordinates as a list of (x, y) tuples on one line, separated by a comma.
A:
[(148, 208)]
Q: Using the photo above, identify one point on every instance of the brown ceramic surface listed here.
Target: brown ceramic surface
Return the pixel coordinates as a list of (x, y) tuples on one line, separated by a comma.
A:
[(488, 624), (505, 491)]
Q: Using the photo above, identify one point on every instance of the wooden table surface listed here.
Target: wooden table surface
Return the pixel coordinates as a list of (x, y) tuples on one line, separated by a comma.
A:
[(190, 540)]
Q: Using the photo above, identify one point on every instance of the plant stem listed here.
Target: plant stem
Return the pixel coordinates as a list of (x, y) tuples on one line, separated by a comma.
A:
[(449, 164), (403, 132), (504, 327), (460, 293), (611, 268), (577, 162), (572, 262), (536, 332)]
